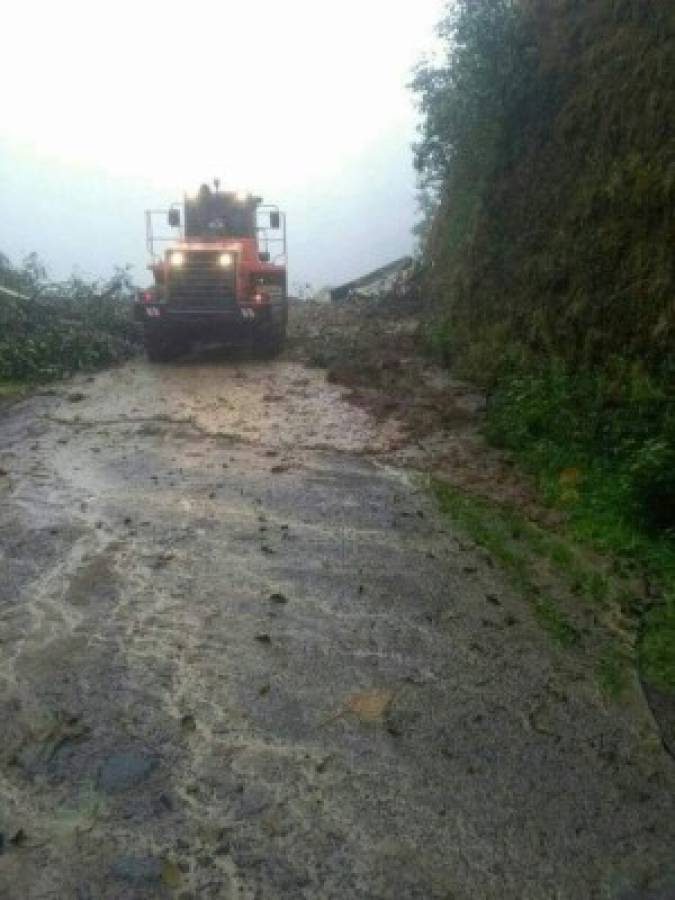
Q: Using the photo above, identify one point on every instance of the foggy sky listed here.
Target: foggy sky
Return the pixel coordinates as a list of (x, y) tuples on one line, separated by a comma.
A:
[(129, 107)]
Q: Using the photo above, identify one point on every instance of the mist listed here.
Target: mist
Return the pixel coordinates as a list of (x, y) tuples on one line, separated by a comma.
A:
[(315, 116)]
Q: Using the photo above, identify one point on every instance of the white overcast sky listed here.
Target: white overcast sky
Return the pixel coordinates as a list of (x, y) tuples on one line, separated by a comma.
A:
[(109, 108)]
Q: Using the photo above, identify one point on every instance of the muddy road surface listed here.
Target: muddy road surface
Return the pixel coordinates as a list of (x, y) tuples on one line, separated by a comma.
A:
[(241, 656)]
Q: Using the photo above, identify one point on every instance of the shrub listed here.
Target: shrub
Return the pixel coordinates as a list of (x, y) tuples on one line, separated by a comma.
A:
[(58, 328)]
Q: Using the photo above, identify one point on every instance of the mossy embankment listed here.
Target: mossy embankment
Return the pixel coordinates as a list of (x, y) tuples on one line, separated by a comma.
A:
[(548, 142)]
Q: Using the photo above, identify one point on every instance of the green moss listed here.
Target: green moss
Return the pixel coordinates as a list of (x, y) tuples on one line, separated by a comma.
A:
[(555, 622), (548, 136), (547, 132), (657, 648), (616, 433), (519, 546), (10, 390), (567, 612), (614, 671)]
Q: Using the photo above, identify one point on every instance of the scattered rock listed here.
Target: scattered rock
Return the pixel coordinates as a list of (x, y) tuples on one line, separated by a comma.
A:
[(138, 870), (162, 559), (19, 838), (41, 747), (369, 706), (253, 801), (125, 770), (166, 801), (171, 874), (323, 764), (188, 723)]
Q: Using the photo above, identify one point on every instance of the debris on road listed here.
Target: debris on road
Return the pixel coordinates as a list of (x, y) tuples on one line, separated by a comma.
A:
[(387, 281), (135, 600), (122, 771)]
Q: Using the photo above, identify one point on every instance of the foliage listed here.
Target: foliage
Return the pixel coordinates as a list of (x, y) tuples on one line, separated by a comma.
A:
[(576, 597), (614, 426), (547, 138), (57, 328), (547, 134), (603, 447)]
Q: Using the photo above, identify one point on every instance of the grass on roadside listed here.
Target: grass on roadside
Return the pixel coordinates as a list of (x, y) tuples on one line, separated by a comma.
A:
[(601, 447), (11, 390), (572, 593)]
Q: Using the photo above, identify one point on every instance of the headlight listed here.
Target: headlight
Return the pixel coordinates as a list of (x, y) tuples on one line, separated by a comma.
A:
[(176, 258), (225, 260)]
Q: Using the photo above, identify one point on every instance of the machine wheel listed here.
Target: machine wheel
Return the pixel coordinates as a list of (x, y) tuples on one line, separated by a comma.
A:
[(270, 342), (160, 348)]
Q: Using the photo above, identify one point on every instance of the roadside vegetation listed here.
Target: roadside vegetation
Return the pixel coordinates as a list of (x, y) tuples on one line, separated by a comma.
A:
[(547, 166), (50, 329)]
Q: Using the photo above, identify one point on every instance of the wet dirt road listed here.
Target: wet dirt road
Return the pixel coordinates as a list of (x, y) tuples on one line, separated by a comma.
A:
[(242, 657)]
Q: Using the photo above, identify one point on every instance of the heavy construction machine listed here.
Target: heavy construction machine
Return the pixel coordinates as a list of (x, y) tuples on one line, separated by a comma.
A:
[(219, 270)]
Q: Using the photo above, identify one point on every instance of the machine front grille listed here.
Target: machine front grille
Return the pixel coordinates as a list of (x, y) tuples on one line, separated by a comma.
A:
[(201, 283)]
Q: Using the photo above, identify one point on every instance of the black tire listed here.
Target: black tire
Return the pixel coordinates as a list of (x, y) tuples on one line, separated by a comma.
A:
[(160, 348), (270, 342)]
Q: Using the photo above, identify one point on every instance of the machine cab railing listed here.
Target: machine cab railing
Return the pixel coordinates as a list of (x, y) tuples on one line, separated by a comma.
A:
[(181, 222)]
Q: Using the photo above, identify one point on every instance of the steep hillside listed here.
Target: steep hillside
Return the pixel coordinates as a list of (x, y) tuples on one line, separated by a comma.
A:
[(557, 224), (548, 143)]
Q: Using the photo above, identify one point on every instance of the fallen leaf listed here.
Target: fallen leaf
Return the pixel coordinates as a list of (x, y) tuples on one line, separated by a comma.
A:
[(171, 874), (369, 706), (569, 478)]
